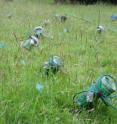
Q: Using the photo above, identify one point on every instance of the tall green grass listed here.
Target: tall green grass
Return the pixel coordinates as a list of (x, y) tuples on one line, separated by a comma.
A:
[(85, 56)]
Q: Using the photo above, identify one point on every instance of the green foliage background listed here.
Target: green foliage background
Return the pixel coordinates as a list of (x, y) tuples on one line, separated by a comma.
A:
[(86, 56)]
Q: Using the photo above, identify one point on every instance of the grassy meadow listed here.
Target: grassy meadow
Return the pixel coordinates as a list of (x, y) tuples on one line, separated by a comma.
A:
[(86, 56)]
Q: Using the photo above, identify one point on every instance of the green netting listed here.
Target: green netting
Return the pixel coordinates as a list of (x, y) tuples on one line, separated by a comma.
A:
[(104, 88), (106, 84)]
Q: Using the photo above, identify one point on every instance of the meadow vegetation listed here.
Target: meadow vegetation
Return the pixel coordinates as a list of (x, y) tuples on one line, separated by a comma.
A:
[(85, 53)]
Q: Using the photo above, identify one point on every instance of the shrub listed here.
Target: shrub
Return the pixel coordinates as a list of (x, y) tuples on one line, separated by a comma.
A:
[(87, 1)]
